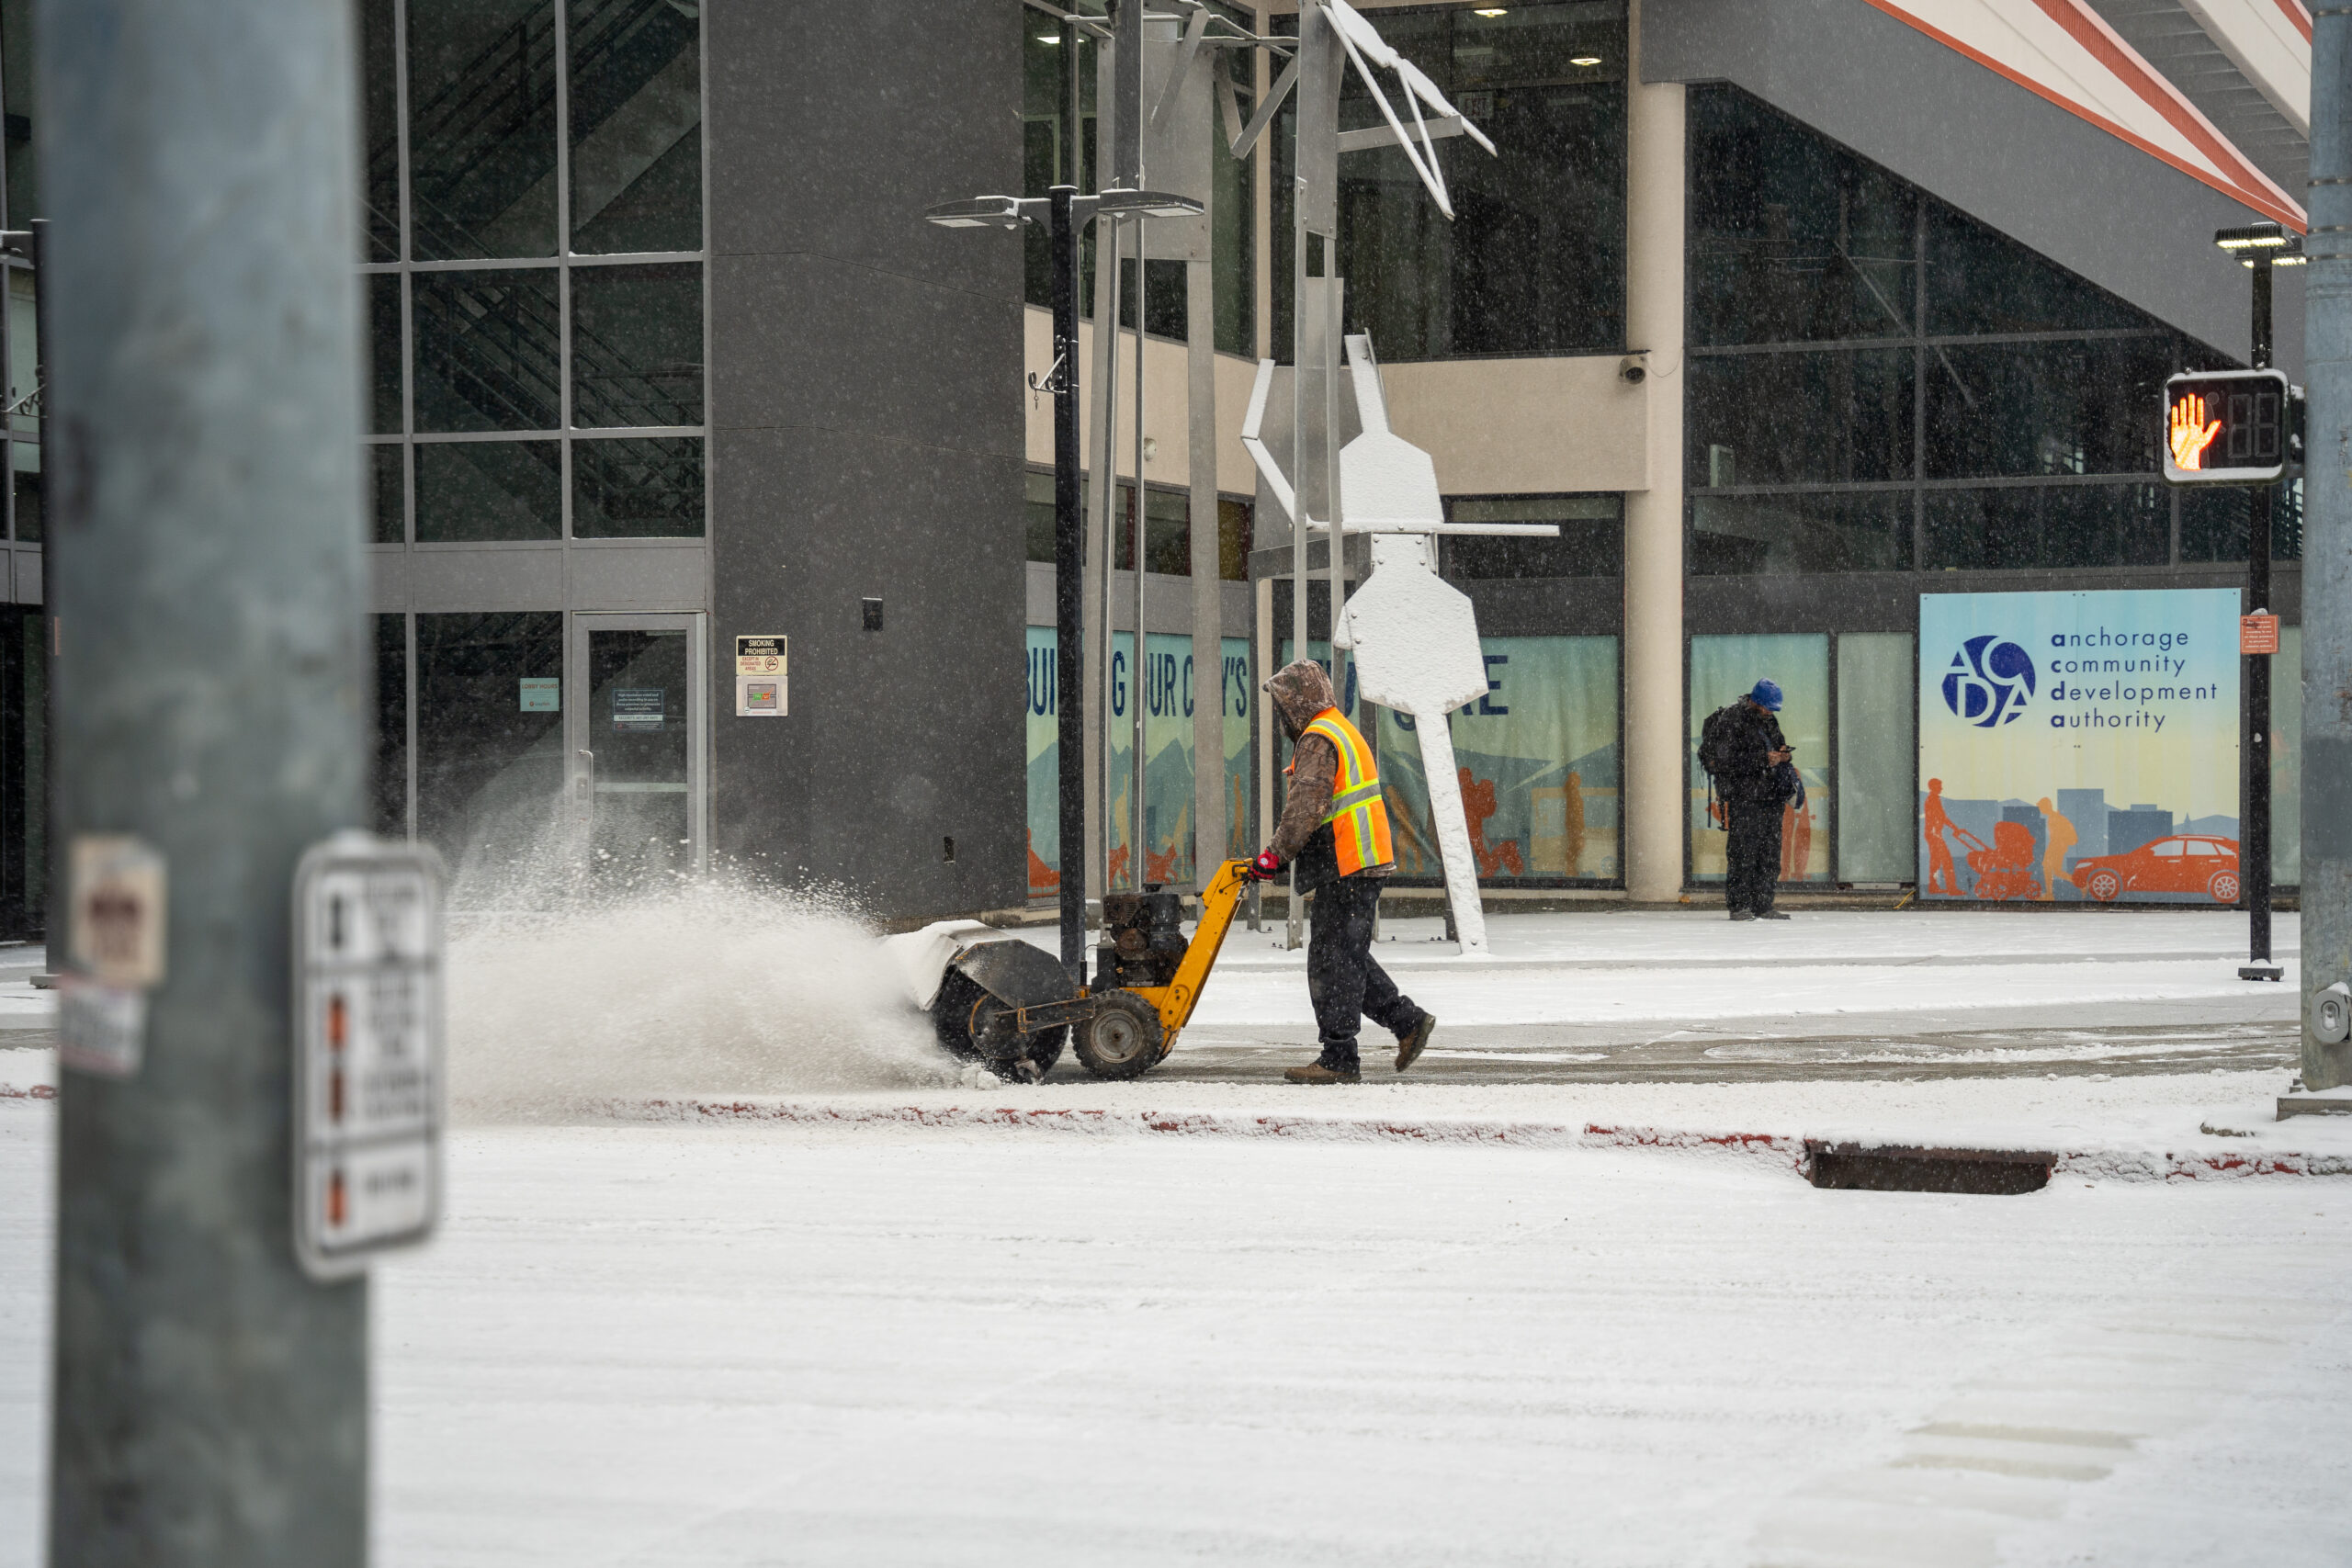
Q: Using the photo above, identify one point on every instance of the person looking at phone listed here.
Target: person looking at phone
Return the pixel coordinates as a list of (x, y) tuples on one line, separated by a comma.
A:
[(1752, 765)]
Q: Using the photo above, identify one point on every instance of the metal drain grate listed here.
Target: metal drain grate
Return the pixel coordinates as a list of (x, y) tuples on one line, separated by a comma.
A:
[(1889, 1168)]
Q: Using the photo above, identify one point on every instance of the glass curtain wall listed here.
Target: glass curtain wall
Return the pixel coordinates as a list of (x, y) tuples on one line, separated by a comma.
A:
[(1879, 383), (1045, 48), (1534, 262), (534, 254)]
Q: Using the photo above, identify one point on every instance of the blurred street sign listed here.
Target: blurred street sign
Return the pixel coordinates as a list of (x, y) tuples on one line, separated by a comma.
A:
[(367, 1056), (2225, 427)]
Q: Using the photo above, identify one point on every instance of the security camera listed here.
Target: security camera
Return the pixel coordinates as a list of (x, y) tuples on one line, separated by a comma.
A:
[(1632, 370)]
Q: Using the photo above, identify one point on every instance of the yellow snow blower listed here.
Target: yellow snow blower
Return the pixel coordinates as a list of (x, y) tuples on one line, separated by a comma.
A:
[(1012, 1006)]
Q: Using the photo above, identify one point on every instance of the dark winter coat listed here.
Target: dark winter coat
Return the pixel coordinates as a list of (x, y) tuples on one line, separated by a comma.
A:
[(1737, 751), (1299, 692)]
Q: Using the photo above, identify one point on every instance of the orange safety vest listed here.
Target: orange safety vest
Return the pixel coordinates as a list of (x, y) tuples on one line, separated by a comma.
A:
[(1359, 815)]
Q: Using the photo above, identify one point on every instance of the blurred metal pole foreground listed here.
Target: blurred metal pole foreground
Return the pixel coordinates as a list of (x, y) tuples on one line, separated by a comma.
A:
[(211, 1402), (2327, 543)]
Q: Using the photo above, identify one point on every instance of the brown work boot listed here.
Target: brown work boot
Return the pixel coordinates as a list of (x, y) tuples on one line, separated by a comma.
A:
[(1315, 1072), (1410, 1044)]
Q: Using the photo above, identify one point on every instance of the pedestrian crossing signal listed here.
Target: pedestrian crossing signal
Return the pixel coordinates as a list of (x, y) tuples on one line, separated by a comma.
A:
[(2226, 427)]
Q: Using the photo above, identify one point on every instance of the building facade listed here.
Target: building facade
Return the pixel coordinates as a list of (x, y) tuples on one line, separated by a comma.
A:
[(1785, 311)]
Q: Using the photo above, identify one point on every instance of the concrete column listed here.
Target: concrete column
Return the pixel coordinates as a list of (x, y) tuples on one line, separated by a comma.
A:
[(1656, 768)]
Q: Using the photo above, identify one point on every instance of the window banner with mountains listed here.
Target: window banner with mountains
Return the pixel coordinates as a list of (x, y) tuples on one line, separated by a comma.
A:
[(2079, 746), (1170, 688), (1536, 756)]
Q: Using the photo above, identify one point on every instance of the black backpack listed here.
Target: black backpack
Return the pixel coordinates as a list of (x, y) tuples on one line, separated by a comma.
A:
[(1713, 737)]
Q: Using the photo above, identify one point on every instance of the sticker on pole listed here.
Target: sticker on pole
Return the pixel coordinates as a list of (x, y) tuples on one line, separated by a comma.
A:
[(2257, 633), (115, 942), (368, 1075)]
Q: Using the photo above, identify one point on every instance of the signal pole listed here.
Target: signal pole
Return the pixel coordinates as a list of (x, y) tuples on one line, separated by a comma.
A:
[(2253, 863), (209, 1400)]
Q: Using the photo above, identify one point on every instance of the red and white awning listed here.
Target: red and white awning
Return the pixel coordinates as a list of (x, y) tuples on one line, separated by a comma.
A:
[(2062, 51)]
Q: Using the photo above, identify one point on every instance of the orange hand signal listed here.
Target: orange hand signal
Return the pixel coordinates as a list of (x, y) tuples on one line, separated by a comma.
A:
[(2189, 434)]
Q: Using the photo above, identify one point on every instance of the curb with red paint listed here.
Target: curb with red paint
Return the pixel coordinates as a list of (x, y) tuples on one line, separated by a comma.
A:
[(1775, 1150)]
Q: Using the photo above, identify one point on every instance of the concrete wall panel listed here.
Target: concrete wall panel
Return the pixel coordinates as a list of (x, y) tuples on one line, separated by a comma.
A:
[(867, 441)]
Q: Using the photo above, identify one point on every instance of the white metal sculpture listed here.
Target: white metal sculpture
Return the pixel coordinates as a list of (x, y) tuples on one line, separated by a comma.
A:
[(1162, 72), (1414, 636)]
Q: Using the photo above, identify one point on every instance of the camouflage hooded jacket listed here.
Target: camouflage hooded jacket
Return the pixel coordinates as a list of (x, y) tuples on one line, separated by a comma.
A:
[(1300, 691)]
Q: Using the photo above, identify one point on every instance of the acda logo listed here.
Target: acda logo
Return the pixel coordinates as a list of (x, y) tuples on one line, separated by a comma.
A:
[(1988, 682)]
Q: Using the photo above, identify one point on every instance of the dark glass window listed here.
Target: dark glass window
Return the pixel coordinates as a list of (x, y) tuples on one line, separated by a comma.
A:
[(1792, 238), (1981, 283), (636, 126), (643, 488), (2048, 525), (1772, 419), (637, 344), (1534, 262), (388, 492), (2074, 406), (16, 89), (29, 496), (1037, 525), (380, 130), (2215, 519), (1939, 356), (1591, 541), (487, 355), (385, 359), (1801, 531), (389, 796), (470, 491), (1236, 524), (482, 128), (461, 104), (490, 732)]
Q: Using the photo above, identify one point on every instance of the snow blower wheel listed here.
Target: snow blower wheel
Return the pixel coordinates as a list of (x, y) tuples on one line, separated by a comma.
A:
[(1120, 1038), (973, 1026)]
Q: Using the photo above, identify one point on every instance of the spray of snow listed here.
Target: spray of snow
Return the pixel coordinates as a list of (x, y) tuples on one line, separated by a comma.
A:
[(566, 986)]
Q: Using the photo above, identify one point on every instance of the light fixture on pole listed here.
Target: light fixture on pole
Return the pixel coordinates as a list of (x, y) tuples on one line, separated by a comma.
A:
[(1064, 212)]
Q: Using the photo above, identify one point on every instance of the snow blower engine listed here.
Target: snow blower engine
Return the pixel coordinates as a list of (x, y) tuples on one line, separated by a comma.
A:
[(1012, 1007)]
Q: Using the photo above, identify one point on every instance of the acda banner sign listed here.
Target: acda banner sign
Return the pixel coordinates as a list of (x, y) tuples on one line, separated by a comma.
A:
[(2079, 746)]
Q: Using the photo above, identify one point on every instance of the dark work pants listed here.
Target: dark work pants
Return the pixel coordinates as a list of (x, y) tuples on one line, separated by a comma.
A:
[(1341, 976), (1752, 859)]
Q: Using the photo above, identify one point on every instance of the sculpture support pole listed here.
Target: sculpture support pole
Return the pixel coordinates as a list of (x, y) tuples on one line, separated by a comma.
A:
[(1435, 733), (1211, 809)]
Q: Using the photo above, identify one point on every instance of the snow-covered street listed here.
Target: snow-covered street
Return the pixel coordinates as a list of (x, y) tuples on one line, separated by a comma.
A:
[(715, 1345), (1563, 1296)]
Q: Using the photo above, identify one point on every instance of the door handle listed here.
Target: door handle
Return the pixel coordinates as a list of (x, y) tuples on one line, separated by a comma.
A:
[(583, 789)]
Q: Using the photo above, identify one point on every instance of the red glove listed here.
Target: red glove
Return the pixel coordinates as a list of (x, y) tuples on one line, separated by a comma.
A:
[(1266, 868)]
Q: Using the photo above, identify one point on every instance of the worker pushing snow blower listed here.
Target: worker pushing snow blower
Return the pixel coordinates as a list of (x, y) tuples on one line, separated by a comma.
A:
[(1335, 828), (1012, 1006)]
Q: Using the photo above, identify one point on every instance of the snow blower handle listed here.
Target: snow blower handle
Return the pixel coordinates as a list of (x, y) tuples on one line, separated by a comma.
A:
[(1265, 868)]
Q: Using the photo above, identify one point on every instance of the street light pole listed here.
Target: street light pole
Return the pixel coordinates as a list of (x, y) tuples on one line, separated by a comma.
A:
[(1065, 213), (1069, 596)]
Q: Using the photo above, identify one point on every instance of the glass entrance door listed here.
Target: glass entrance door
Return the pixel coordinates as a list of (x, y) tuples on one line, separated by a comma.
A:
[(638, 743)]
